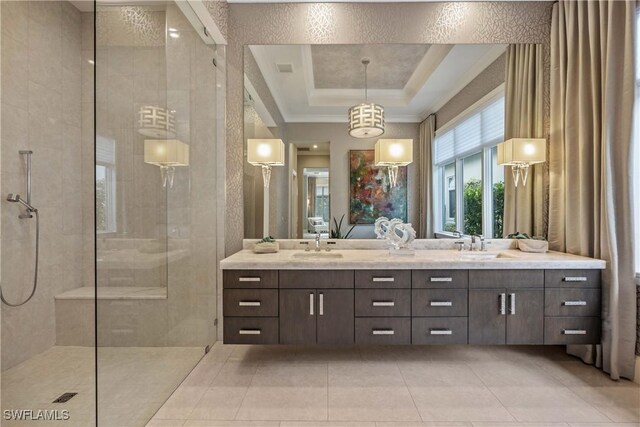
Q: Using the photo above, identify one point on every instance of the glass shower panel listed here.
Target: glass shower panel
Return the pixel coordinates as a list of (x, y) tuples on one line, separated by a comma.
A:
[(155, 204), (48, 355)]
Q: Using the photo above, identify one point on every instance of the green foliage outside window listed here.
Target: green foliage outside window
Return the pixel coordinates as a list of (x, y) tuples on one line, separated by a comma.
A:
[(473, 207)]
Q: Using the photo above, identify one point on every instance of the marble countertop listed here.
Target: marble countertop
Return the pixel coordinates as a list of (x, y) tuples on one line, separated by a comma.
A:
[(368, 259)]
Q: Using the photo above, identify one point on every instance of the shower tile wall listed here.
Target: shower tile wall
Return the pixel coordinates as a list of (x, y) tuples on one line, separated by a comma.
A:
[(41, 111)]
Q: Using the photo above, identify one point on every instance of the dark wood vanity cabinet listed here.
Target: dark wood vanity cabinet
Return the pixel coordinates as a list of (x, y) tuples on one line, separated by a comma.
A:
[(526, 307)]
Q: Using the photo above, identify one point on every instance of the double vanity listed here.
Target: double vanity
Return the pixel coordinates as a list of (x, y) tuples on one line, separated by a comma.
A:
[(435, 296)]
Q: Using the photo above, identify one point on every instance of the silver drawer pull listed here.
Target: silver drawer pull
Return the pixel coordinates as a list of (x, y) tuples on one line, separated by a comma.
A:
[(567, 303), (503, 304), (249, 331), (249, 303), (574, 279), (440, 332), (440, 279), (383, 279), (248, 279), (441, 303), (574, 332), (384, 304), (383, 332)]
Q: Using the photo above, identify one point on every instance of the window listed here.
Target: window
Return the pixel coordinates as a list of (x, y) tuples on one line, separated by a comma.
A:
[(105, 185), (467, 175)]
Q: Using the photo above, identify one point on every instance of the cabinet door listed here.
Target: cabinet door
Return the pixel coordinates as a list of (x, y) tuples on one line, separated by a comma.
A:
[(297, 316), (487, 322), (525, 316), (335, 316)]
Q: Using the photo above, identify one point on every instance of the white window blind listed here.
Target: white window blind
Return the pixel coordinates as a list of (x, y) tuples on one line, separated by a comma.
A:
[(105, 150), (482, 128)]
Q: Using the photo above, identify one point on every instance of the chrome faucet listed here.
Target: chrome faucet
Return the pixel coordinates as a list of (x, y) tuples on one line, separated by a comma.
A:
[(483, 243), (317, 247)]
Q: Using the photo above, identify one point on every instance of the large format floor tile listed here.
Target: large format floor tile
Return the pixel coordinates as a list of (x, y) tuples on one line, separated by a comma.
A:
[(284, 403), (371, 404)]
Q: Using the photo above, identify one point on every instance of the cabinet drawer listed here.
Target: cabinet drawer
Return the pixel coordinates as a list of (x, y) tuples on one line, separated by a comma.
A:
[(383, 330), (489, 279), (439, 279), (572, 330), (250, 302), (381, 279), (313, 279), (383, 302), (251, 330), (250, 278), (439, 330), (570, 302), (439, 302), (572, 278)]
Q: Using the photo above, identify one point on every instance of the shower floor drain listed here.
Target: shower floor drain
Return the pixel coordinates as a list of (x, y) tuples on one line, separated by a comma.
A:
[(65, 397)]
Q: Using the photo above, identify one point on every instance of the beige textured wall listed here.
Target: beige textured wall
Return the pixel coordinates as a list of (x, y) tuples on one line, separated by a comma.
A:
[(41, 111), (319, 23), (489, 79)]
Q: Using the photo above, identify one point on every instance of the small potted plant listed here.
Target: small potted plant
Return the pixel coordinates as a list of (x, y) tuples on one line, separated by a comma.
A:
[(529, 244), (267, 245)]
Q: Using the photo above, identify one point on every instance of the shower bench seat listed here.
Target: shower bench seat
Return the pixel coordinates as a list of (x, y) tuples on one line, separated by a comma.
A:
[(114, 292)]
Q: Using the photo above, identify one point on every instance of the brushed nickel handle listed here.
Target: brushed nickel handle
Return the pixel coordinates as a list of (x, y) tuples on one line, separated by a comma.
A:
[(249, 331), (574, 332), (572, 303), (384, 303), (248, 279), (249, 303), (574, 279), (321, 310), (440, 332), (383, 279), (383, 332), (440, 303), (440, 279), (503, 304), (512, 304), (311, 304)]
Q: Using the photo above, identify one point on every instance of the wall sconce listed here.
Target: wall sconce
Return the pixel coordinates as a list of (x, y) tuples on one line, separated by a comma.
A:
[(166, 153), (265, 153), (393, 153), (520, 153)]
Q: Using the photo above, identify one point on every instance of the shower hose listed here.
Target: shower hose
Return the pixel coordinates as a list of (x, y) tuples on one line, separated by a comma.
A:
[(35, 272)]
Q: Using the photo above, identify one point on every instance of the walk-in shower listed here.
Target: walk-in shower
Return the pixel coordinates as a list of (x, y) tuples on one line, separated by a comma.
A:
[(122, 299)]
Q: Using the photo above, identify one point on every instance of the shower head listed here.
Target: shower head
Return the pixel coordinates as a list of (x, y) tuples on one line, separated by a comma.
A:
[(12, 197)]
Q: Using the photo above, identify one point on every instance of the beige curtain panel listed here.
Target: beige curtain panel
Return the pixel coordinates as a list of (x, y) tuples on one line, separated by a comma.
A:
[(524, 118), (590, 212), (425, 177)]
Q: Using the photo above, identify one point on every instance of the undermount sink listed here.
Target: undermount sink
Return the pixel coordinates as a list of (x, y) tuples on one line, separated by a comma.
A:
[(317, 255), (471, 256)]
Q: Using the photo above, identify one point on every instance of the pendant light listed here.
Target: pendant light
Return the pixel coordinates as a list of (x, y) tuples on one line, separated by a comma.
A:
[(366, 120)]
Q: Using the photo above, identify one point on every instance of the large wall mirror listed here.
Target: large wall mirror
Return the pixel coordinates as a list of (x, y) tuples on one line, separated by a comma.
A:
[(326, 182)]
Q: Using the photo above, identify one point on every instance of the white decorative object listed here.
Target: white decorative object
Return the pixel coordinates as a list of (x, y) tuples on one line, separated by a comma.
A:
[(265, 153), (398, 234), (532, 245), (167, 154), (266, 248), (366, 120)]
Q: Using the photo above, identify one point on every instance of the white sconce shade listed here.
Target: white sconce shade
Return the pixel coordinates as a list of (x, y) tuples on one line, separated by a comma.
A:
[(265, 152), (366, 120), (518, 151), (156, 122), (393, 153), (398, 152), (166, 153)]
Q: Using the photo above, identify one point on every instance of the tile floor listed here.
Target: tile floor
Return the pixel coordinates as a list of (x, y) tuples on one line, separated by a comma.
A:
[(398, 386), (133, 383)]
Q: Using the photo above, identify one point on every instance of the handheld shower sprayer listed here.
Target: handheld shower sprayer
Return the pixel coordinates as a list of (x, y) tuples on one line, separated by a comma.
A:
[(12, 197), (30, 212)]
